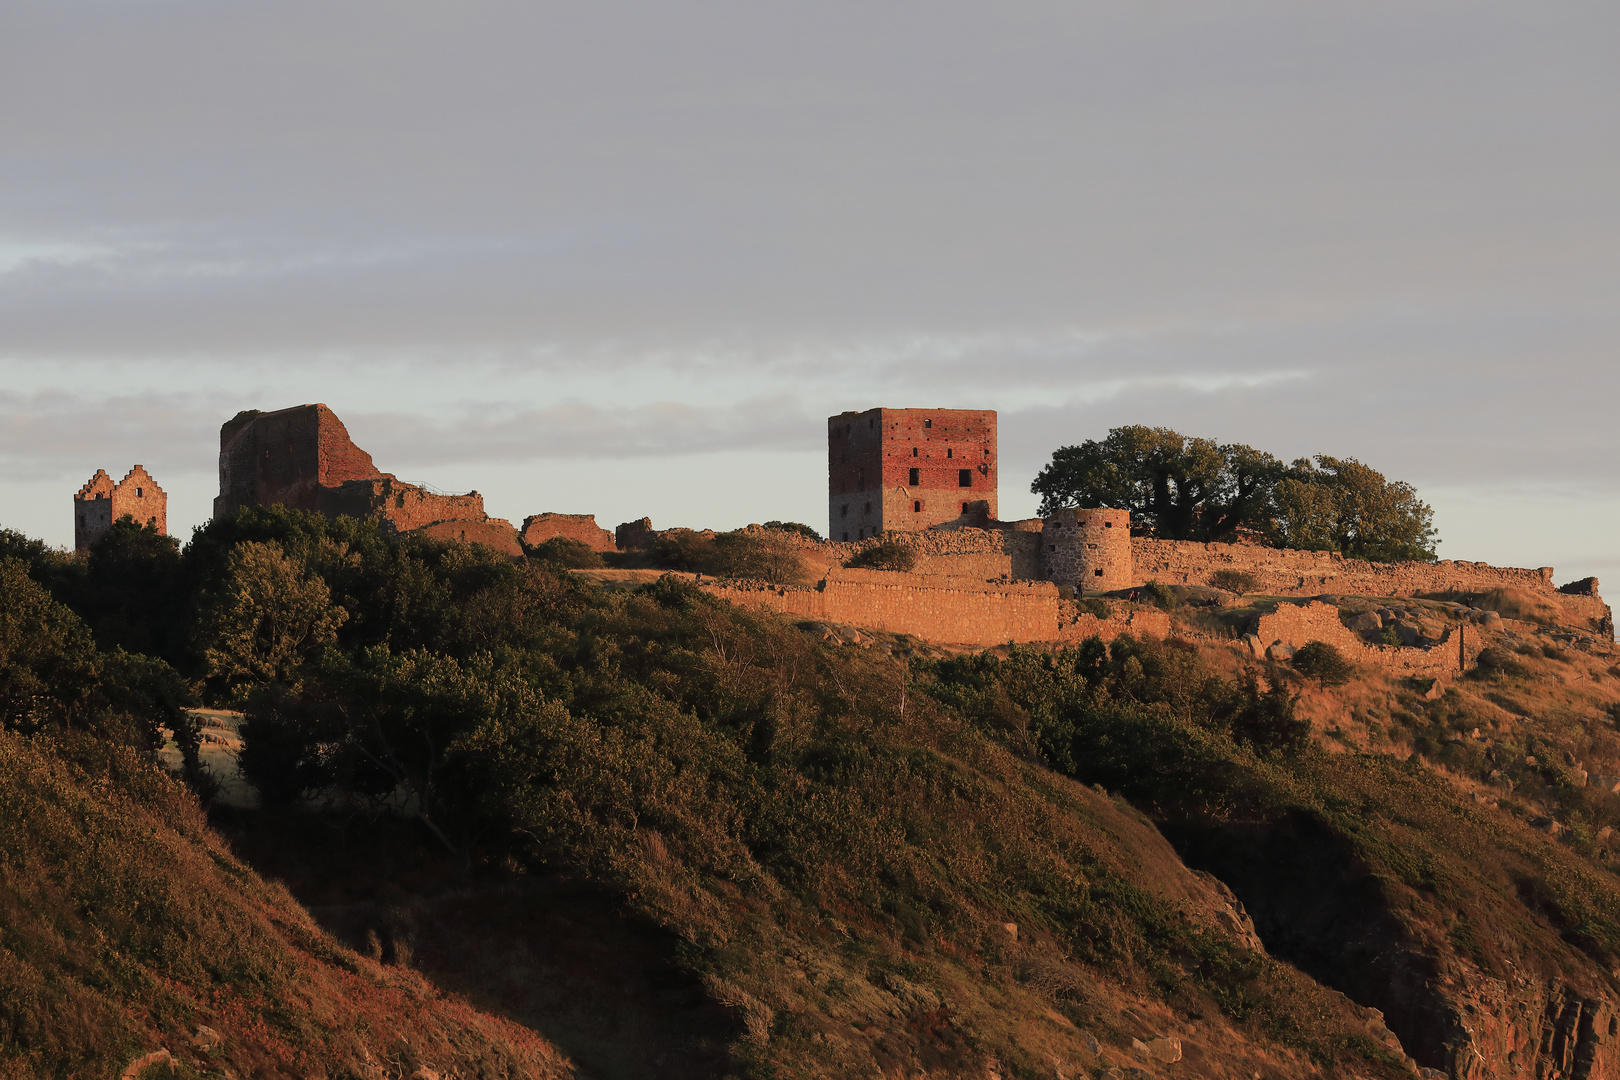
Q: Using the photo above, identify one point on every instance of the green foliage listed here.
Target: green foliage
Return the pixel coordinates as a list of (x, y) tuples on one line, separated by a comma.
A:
[(270, 614), (1160, 594), (887, 555), (1324, 663), (1184, 488), (47, 657), (796, 527), (133, 593), (1096, 606), (565, 552), (1235, 581), (1342, 505), (749, 554), (1176, 487)]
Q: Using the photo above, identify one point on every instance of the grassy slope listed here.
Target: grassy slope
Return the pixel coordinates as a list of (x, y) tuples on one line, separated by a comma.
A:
[(125, 923)]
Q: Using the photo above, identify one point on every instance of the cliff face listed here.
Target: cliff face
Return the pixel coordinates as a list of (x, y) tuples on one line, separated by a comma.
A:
[(303, 458)]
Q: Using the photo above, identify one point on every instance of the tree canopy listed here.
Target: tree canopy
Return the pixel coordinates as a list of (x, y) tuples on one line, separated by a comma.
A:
[(1180, 487)]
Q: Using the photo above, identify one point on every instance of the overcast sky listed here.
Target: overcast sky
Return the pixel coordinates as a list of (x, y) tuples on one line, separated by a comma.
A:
[(626, 259)]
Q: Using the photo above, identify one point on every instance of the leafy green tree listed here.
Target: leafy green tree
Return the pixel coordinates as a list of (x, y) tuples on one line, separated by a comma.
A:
[(132, 594), (1182, 488), (47, 657), (1175, 487), (269, 615), (1341, 505), (1323, 662), (887, 555)]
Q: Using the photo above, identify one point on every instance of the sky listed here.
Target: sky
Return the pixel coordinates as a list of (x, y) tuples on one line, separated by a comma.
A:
[(626, 259)]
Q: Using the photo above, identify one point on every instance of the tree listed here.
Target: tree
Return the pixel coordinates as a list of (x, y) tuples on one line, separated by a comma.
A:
[(269, 615), (1182, 488), (47, 658), (1324, 663), (1341, 505), (1175, 487)]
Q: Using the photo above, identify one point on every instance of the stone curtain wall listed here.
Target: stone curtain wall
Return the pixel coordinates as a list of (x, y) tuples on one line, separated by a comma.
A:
[(538, 528), (959, 612), (1299, 624), (1281, 572)]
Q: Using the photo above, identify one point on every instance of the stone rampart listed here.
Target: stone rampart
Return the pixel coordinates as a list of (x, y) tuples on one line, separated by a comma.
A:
[(1295, 625), (1283, 572), (538, 528), (927, 607)]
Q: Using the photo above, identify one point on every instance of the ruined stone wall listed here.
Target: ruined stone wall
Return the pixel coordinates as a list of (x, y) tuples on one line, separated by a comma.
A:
[(979, 554), (959, 612), (283, 458), (1295, 625), (100, 502), (901, 470), (1282, 572), (1088, 549), (538, 528)]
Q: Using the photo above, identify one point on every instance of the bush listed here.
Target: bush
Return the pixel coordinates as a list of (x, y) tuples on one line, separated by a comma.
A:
[(798, 527), (1234, 581), (1102, 609), (1324, 663), (1160, 594), (888, 555), (566, 552)]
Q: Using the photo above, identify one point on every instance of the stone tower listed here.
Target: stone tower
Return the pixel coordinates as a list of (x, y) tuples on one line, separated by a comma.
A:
[(908, 469), (101, 502), (1089, 549)]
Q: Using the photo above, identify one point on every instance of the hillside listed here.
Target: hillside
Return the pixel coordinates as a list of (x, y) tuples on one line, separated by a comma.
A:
[(668, 836)]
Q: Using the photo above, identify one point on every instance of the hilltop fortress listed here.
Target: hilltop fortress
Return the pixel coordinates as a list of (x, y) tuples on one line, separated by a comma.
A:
[(924, 478)]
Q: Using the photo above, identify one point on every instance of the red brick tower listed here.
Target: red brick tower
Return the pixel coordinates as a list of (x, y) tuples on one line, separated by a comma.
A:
[(908, 469)]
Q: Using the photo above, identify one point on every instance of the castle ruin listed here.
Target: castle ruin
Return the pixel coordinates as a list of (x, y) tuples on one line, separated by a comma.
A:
[(100, 502), (303, 458)]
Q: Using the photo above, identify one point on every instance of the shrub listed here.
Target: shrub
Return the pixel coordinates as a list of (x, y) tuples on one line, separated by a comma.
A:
[(1324, 663), (888, 555), (567, 552), (798, 527), (1235, 581), (757, 556), (1161, 595), (1102, 609)]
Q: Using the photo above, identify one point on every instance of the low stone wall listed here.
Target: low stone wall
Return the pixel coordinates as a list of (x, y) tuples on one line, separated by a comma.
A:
[(923, 606), (1299, 624), (494, 533), (1281, 572)]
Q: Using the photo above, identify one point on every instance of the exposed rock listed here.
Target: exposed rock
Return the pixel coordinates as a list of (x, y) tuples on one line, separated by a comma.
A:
[(1280, 651)]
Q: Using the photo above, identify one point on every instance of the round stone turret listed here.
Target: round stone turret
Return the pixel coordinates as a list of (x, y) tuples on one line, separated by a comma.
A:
[(1089, 549)]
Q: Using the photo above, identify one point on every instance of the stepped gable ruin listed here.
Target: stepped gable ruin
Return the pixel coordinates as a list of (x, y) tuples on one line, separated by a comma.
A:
[(903, 470), (303, 458), (538, 528), (100, 502)]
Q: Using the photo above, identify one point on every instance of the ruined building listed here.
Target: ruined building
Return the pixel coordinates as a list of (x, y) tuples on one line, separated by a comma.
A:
[(101, 502), (902, 470), (303, 458), (1089, 549)]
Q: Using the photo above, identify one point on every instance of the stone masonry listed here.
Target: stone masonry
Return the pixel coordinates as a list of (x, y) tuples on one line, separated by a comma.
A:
[(303, 458), (538, 528), (904, 470), (100, 502), (1088, 549)]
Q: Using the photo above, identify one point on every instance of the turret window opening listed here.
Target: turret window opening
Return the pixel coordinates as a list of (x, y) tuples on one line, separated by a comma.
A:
[(928, 423), (913, 451), (916, 477), (964, 478), (949, 452), (916, 506)]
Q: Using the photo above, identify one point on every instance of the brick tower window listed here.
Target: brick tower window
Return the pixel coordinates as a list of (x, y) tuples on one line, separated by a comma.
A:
[(913, 451), (916, 506), (964, 478), (843, 511), (916, 477), (1097, 572), (140, 493), (928, 423), (868, 509), (949, 452)]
